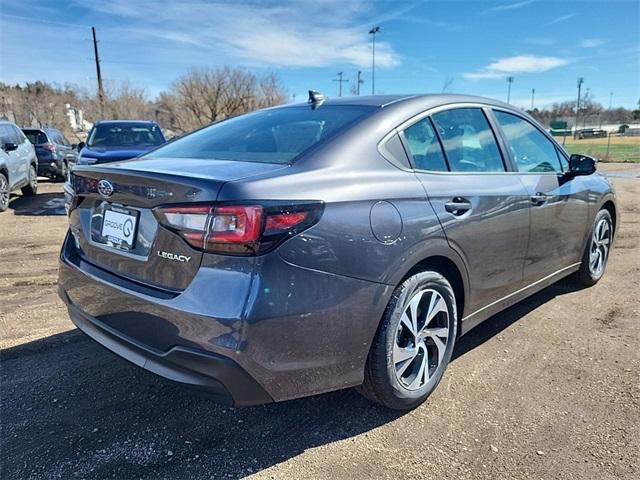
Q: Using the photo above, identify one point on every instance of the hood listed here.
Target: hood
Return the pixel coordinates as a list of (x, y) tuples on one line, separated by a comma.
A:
[(115, 153)]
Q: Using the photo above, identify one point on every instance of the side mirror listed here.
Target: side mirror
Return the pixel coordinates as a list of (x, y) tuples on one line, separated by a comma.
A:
[(80, 146), (581, 165), (10, 146)]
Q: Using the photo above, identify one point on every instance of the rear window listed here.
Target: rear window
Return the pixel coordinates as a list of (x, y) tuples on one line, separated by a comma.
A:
[(36, 137), (125, 135), (268, 136)]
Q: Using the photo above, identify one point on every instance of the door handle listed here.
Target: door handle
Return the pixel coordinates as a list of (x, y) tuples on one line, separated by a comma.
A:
[(539, 198), (458, 206)]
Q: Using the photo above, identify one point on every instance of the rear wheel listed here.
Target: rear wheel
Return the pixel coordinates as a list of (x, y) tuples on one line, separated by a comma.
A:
[(414, 343), (4, 192), (64, 171), (32, 186), (596, 253)]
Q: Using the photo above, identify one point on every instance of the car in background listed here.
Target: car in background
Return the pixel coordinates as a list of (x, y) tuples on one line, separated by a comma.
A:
[(306, 248), (18, 163), (55, 154), (115, 140), (591, 133)]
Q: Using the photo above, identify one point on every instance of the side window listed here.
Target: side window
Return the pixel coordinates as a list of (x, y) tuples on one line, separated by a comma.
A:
[(563, 161), (531, 150), (424, 147), (5, 135), (468, 141), (19, 135)]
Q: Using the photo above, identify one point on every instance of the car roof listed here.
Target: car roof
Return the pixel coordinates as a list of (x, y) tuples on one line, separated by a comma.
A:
[(425, 100), (117, 122)]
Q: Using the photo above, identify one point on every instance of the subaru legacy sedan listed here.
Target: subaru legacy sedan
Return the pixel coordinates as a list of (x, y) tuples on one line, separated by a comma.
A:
[(308, 248)]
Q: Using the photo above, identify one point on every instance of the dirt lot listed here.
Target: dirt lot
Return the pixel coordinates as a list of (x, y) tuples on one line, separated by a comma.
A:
[(548, 389)]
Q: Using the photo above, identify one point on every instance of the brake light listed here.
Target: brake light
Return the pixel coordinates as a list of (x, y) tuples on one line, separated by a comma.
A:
[(238, 229), (50, 146)]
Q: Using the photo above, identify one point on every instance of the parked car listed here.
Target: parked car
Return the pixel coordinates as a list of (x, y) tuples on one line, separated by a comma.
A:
[(302, 249), (591, 133), (55, 154), (115, 140), (18, 163)]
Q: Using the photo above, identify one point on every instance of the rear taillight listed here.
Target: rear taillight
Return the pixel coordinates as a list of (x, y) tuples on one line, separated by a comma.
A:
[(50, 146), (238, 229)]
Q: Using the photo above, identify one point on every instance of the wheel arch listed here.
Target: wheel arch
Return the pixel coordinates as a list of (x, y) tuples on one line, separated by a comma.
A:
[(453, 271), (610, 206)]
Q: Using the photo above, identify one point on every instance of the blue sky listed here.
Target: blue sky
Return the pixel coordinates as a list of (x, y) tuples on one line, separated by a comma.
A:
[(544, 44)]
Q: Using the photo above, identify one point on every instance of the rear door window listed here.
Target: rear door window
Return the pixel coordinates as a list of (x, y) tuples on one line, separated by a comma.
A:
[(468, 140), (531, 149), (424, 147), (36, 137)]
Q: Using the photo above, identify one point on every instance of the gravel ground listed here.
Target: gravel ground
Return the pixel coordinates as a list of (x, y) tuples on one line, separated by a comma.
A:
[(547, 389)]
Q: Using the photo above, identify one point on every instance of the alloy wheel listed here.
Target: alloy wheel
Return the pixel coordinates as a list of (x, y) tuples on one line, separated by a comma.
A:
[(600, 244), (421, 339), (4, 192)]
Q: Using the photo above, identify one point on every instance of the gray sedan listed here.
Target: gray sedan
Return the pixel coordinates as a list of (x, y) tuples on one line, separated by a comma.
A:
[(339, 243)]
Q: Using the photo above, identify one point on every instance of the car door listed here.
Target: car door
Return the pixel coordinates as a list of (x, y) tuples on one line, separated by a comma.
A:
[(483, 210), (24, 153), (8, 135), (559, 205)]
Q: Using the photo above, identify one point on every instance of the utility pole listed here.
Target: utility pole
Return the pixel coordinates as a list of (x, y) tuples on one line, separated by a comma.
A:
[(509, 82), (373, 32), (359, 82), (580, 82), (99, 75), (533, 94), (610, 100), (340, 82)]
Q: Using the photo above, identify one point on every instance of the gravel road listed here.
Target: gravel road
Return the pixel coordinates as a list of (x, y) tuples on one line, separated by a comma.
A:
[(547, 389)]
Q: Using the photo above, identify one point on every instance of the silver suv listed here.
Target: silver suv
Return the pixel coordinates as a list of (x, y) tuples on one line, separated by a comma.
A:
[(18, 163)]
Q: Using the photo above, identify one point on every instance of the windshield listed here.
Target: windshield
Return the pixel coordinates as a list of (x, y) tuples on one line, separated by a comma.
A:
[(267, 136), (125, 135)]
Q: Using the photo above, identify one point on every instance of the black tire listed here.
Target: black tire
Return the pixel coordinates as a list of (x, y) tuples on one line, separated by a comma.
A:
[(64, 171), (4, 192), (587, 275), (32, 187), (382, 382)]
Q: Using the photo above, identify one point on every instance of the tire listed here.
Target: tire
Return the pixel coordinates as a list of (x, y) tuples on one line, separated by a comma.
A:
[(596, 252), (64, 171), (397, 356), (32, 186), (4, 192)]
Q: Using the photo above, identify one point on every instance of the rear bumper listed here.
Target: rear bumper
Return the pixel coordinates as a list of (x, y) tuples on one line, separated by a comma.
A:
[(219, 376), (271, 333), (49, 167)]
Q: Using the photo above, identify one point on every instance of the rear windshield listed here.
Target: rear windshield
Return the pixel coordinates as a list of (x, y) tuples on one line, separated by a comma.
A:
[(125, 135), (36, 137), (267, 136)]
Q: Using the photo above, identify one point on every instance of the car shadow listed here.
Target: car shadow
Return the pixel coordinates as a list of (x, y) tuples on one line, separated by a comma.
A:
[(72, 409), (41, 204)]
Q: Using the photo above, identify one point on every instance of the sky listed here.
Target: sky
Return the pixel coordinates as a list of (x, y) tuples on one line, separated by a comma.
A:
[(471, 46)]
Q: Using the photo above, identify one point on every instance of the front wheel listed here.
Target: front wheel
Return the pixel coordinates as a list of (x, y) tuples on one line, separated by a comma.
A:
[(32, 186), (4, 192), (596, 253), (414, 343)]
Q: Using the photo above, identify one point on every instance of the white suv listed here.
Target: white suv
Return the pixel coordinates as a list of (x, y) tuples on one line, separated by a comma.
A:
[(18, 163)]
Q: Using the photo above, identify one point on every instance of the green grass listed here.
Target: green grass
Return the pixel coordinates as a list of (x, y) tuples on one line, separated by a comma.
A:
[(617, 153)]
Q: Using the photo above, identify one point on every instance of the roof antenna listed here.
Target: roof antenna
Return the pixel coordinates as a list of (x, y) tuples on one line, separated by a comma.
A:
[(315, 99)]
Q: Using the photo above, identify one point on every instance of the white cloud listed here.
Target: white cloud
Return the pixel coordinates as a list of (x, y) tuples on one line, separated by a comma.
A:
[(592, 42), (563, 18), (517, 64), (290, 33), (508, 6)]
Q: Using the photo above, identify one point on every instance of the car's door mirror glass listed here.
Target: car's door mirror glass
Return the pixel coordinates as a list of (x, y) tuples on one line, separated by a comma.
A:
[(10, 146), (582, 164)]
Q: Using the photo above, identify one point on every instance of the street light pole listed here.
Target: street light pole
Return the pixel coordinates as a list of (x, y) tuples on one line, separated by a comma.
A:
[(580, 82), (340, 81), (359, 82), (509, 82), (373, 32), (533, 94)]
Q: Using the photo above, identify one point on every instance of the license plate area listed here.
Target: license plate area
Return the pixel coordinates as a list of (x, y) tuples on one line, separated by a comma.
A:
[(119, 227)]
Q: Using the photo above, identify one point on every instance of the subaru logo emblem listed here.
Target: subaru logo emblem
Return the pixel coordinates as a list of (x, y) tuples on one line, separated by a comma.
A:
[(105, 188)]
